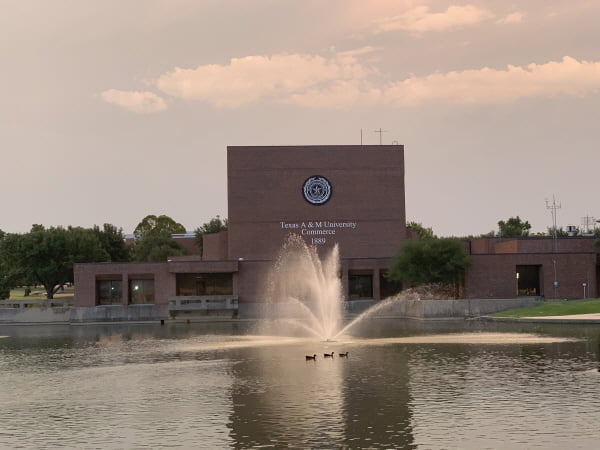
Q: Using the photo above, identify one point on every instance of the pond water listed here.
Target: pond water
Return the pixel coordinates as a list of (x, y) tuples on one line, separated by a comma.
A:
[(405, 384)]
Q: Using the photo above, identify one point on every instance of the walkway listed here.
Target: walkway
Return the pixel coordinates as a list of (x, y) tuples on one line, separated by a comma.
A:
[(575, 318)]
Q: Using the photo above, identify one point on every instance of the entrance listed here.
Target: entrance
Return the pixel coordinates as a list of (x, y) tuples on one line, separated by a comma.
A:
[(528, 280)]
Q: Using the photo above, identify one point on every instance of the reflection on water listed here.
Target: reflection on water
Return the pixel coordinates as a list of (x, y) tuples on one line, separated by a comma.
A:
[(218, 386)]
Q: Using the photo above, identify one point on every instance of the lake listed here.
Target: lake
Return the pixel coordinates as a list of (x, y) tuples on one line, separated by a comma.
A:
[(404, 384)]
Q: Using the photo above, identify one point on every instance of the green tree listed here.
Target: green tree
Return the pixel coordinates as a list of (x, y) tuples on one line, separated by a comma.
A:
[(162, 224), (113, 242), (421, 231), (46, 256), (424, 261), (6, 283), (560, 232), (513, 227), (156, 248), (154, 239), (215, 225)]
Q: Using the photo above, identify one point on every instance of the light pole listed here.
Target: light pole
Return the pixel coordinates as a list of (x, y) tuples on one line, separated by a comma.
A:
[(555, 283)]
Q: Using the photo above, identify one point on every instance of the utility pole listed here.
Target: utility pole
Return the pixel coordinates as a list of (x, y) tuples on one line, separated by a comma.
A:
[(553, 207)]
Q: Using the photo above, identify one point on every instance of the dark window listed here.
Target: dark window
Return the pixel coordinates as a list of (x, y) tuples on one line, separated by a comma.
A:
[(204, 284), (360, 287), (528, 280), (141, 291), (108, 292), (387, 287)]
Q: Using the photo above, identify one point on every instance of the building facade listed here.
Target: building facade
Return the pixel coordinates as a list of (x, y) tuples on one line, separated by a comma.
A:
[(352, 196)]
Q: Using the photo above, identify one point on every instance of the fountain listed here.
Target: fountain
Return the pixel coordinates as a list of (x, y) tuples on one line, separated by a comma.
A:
[(305, 291)]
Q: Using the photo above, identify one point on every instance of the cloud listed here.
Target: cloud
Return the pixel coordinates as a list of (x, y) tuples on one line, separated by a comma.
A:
[(142, 102), (246, 80), (344, 80), (492, 86), (420, 20), (516, 17)]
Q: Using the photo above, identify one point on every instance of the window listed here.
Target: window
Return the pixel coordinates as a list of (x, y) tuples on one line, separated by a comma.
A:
[(108, 292), (360, 287), (141, 291), (204, 284)]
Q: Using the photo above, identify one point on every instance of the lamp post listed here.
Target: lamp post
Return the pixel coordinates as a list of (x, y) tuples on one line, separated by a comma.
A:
[(517, 281), (555, 283)]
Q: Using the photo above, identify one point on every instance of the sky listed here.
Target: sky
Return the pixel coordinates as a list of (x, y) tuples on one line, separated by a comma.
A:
[(115, 109)]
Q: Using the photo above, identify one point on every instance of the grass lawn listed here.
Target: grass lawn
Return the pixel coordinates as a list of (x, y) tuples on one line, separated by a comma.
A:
[(563, 308), (39, 293)]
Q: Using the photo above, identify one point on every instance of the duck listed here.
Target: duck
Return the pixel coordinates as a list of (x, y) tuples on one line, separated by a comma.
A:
[(343, 355), (328, 355), (313, 357)]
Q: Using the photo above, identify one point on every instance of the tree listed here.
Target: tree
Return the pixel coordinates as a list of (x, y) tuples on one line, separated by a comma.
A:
[(6, 283), (560, 232), (156, 247), (424, 261), (215, 225), (513, 227), (162, 224), (154, 239), (46, 256), (113, 242), (421, 231)]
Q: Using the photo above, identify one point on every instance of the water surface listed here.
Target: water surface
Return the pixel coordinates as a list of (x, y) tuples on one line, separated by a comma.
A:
[(404, 385)]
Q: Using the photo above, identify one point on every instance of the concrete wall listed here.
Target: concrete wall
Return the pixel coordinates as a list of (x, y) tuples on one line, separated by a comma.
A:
[(115, 313), (449, 309), (400, 308), (35, 315)]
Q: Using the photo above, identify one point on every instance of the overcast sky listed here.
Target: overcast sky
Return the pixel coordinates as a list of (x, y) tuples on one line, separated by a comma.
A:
[(112, 110)]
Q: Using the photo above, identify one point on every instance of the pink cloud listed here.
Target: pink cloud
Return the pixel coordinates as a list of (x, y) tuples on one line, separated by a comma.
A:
[(420, 19), (142, 102), (246, 80)]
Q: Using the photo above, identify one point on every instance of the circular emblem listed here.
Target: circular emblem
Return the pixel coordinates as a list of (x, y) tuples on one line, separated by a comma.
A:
[(316, 190)]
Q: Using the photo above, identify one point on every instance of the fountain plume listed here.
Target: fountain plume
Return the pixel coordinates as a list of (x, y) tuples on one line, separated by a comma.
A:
[(306, 289), (305, 292)]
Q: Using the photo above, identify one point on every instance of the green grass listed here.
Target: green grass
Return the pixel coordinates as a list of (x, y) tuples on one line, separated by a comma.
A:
[(563, 308), (38, 293)]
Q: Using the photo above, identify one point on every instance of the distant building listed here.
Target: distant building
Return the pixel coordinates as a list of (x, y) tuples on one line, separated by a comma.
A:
[(350, 195)]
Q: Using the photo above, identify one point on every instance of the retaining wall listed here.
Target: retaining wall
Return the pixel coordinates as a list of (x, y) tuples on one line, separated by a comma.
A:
[(35, 315), (116, 313), (401, 308), (451, 309)]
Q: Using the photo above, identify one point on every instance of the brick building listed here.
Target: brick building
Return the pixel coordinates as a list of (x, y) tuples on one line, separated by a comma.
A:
[(350, 195)]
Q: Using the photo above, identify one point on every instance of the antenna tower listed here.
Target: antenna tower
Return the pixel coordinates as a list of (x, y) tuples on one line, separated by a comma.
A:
[(553, 207), (380, 131), (588, 224)]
